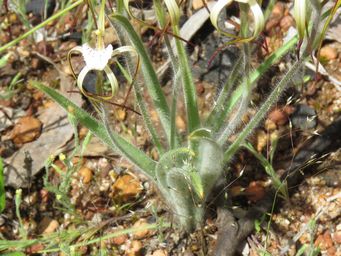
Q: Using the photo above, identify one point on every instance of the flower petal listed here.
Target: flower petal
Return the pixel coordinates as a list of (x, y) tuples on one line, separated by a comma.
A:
[(123, 49), (255, 9), (174, 10), (111, 77), (77, 49), (215, 13), (300, 9), (96, 59), (80, 79), (113, 83), (258, 17)]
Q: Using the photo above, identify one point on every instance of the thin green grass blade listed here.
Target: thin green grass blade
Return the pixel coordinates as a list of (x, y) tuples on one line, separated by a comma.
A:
[(151, 81), (279, 185), (2, 187), (41, 25), (16, 244), (133, 230), (133, 154)]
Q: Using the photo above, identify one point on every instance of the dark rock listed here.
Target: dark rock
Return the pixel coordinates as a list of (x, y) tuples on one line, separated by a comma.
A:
[(304, 117), (212, 64), (37, 7)]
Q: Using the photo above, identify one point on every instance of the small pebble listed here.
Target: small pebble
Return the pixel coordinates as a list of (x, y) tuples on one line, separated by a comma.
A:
[(255, 191), (120, 114), (126, 187), (262, 139), (160, 253), (143, 233), (337, 237), (328, 52), (180, 123), (104, 165), (47, 226), (270, 125), (278, 116), (135, 248), (27, 129), (286, 22), (36, 63), (86, 174), (119, 240), (2, 221)]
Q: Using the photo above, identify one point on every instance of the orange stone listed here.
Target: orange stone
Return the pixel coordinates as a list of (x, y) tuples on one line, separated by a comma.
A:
[(126, 187), (27, 129)]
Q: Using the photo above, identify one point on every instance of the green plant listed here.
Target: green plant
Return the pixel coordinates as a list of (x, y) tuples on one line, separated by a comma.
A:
[(61, 190), (68, 241), (18, 200), (19, 7), (279, 185), (188, 169)]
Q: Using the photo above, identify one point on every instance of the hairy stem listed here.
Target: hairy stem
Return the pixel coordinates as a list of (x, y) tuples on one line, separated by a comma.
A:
[(218, 121), (263, 110), (188, 84)]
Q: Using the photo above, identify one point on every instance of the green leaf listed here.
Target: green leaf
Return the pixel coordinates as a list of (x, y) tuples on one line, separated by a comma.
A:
[(2, 187), (172, 159), (209, 163), (175, 177), (162, 19), (302, 250), (151, 81), (199, 134), (197, 184), (115, 141), (266, 105), (193, 118), (144, 110), (258, 225), (182, 199), (220, 109), (223, 107), (4, 59)]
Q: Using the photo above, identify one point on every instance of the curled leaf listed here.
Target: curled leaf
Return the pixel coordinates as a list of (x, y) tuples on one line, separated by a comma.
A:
[(255, 9)]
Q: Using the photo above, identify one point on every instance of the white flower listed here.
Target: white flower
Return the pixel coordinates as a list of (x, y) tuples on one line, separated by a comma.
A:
[(255, 9), (98, 59)]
